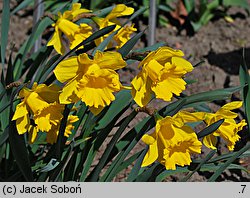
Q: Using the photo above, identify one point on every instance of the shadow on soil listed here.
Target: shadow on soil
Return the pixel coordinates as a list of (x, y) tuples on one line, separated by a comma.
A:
[(230, 61)]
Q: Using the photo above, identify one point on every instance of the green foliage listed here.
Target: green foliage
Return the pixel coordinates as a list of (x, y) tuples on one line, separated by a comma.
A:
[(72, 159), (199, 13), (209, 9)]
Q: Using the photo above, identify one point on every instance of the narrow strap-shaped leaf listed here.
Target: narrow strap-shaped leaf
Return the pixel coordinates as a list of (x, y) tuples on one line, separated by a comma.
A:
[(168, 173), (128, 46), (224, 157), (241, 3), (137, 167), (53, 163), (128, 162), (104, 44), (6, 105), (61, 139), (171, 110), (5, 29), (245, 81), (104, 11), (136, 14), (190, 5), (228, 163), (22, 5), (43, 68), (90, 157), (147, 174), (9, 75), (37, 63), (123, 98), (106, 154), (2, 90), (17, 142), (219, 94), (70, 168), (56, 173), (100, 138), (105, 177), (37, 31), (137, 132), (4, 136), (210, 129), (18, 147), (205, 167)]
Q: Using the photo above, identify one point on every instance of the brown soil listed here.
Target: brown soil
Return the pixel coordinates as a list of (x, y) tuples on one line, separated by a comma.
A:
[(219, 44)]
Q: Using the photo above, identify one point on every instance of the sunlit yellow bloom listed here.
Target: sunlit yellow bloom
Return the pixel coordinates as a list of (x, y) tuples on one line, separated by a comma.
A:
[(124, 33), (41, 103), (53, 133), (111, 19), (74, 33), (92, 81), (229, 128), (172, 142), (161, 74), (32, 133)]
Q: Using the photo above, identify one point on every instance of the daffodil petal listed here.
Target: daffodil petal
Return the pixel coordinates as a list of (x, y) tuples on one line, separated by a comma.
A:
[(22, 124), (48, 93), (141, 89), (120, 10), (148, 139), (151, 156), (154, 69), (166, 88), (190, 117), (32, 134), (56, 41), (182, 64), (67, 69), (97, 89), (232, 105), (161, 55), (109, 60), (21, 111), (177, 158), (210, 141)]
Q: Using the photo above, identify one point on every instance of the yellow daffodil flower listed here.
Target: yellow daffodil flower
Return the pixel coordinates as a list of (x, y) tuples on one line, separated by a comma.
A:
[(229, 128), (53, 133), (92, 81), (123, 35), (41, 103), (172, 142), (74, 33), (161, 74)]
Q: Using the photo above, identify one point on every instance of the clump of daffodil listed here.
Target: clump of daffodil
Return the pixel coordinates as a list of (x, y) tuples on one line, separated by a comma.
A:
[(172, 142), (228, 130), (91, 80), (124, 33), (161, 73), (39, 110), (65, 25)]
